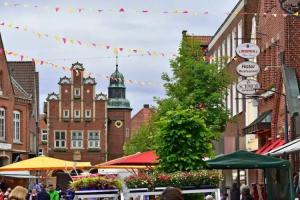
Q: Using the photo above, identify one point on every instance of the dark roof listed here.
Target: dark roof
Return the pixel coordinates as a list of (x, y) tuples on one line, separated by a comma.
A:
[(204, 40), (24, 73), (18, 89)]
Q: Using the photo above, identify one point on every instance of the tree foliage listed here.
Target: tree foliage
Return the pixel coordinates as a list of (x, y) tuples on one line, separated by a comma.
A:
[(183, 140)]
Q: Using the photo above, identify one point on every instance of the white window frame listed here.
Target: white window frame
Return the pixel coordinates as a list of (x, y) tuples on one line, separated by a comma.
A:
[(75, 115), (77, 92), (233, 42), (219, 58), (92, 140), (86, 113), (64, 113), (229, 101), (17, 127), (44, 132), (234, 100), (76, 141), (228, 48), (2, 123), (240, 32), (41, 151), (60, 140), (224, 53), (240, 96)]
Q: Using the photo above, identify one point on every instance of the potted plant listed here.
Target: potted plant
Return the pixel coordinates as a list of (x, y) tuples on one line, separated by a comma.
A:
[(138, 183)]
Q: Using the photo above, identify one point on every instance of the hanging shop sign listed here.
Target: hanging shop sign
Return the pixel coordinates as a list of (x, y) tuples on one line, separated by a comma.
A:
[(248, 50), (247, 86), (290, 6), (248, 69)]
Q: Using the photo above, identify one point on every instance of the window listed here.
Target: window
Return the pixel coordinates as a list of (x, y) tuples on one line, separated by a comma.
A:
[(240, 32), (224, 53), (77, 92), (44, 135), (60, 139), (234, 100), (2, 123), (16, 124), (88, 113), (77, 139), (66, 113), (76, 114), (233, 40), (240, 96), (229, 101), (41, 152), (94, 139), (228, 48), (219, 58)]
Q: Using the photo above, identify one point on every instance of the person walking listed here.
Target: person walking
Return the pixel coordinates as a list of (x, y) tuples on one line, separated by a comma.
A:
[(246, 193), (255, 192), (234, 192), (43, 194), (54, 195)]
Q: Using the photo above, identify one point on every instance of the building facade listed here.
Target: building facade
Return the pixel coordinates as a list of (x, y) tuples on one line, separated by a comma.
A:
[(82, 125), (18, 109)]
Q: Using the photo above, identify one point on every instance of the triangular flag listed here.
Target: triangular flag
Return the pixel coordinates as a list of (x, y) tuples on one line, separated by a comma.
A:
[(80, 9), (57, 9), (296, 14), (122, 10), (64, 40)]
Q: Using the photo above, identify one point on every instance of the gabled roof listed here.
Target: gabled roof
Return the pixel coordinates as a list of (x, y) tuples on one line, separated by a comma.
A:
[(24, 73), (19, 90)]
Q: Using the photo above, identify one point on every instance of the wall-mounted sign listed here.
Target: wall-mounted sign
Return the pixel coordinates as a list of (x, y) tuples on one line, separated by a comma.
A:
[(248, 69), (290, 6), (5, 146), (247, 86), (248, 50)]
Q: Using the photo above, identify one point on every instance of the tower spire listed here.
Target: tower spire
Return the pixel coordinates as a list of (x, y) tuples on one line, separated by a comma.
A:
[(117, 66)]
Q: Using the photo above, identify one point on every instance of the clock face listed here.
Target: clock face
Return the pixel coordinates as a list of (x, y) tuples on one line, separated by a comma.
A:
[(290, 6)]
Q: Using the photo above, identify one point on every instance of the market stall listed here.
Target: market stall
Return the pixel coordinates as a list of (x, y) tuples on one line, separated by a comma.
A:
[(277, 171)]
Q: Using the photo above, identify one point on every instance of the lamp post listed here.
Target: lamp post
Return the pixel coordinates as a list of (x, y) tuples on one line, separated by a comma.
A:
[(286, 123)]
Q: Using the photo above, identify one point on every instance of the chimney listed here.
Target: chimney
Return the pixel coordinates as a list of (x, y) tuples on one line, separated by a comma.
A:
[(146, 106)]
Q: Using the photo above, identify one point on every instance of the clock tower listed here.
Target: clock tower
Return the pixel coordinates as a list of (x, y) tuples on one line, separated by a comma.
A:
[(119, 115)]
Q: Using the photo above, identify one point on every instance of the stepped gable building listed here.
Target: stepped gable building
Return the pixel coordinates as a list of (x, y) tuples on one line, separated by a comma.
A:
[(141, 118), (82, 125), (19, 93)]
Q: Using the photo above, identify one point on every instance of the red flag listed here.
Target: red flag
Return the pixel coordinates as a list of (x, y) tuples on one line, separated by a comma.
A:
[(21, 57), (107, 47), (122, 10), (99, 11), (134, 50), (57, 9), (185, 12), (42, 62), (79, 42), (64, 40), (145, 11), (2, 24), (121, 49), (94, 44), (205, 13), (80, 9), (33, 60), (149, 53)]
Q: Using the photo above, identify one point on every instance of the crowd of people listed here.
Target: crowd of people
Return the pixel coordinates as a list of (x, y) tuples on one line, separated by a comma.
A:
[(247, 193), (37, 192)]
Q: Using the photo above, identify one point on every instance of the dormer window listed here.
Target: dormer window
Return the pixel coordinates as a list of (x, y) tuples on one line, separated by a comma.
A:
[(77, 93)]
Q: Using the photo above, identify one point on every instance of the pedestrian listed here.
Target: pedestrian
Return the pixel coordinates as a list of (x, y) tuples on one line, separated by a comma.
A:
[(54, 195), (43, 194), (171, 193), (234, 192), (246, 193), (1, 195), (33, 194), (7, 192), (225, 196), (209, 197), (254, 191), (18, 193)]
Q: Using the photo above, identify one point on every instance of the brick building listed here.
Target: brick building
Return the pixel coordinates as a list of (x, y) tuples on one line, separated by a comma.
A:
[(142, 117), (82, 125), (19, 93)]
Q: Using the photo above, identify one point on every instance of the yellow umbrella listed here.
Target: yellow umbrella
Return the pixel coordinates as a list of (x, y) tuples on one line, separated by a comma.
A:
[(44, 163)]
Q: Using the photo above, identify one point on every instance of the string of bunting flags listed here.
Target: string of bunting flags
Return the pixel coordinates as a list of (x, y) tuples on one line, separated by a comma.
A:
[(41, 62), (71, 41), (72, 9)]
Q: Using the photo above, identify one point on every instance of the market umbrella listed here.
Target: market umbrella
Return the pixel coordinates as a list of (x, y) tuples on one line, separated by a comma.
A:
[(136, 161), (44, 163)]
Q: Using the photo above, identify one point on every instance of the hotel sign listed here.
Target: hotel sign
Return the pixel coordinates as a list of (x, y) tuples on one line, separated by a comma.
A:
[(290, 6), (247, 86), (248, 50), (5, 146), (248, 69)]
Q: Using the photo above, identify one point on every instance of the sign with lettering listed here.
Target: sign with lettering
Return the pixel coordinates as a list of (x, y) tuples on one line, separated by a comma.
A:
[(5, 146), (291, 6), (248, 69), (248, 50), (247, 86)]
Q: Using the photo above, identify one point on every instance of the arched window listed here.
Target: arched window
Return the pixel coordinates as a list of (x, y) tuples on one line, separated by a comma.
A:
[(17, 126), (2, 123)]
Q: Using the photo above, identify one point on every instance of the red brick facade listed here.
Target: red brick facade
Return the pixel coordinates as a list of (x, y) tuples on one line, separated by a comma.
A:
[(80, 125), (17, 113), (140, 118)]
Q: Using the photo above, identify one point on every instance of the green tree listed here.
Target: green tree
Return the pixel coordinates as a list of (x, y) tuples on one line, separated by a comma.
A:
[(183, 140)]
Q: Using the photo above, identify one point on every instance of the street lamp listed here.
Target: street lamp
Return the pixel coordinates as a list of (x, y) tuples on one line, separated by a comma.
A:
[(286, 124)]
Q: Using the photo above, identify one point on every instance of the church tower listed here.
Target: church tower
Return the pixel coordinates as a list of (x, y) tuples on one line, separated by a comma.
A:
[(119, 115)]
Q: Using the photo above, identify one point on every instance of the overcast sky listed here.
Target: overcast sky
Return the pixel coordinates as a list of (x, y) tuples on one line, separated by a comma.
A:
[(149, 31)]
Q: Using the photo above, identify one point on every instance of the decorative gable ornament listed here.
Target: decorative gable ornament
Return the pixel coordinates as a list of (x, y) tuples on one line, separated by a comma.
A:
[(101, 96), (52, 96)]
